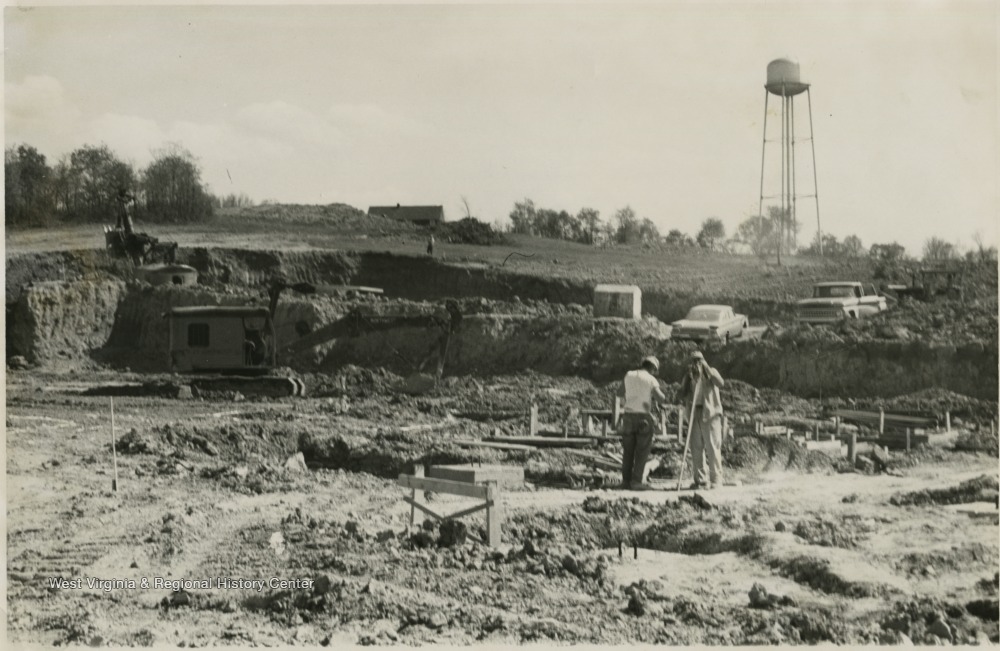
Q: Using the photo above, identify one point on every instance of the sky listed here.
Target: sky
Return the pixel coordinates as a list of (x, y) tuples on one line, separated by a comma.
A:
[(659, 107)]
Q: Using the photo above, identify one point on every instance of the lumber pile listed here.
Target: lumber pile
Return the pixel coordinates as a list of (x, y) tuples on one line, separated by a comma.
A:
[(882, 420)]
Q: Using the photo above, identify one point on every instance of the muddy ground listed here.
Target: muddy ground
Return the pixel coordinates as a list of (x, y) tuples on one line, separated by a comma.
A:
[(802, 547), (806, 550)]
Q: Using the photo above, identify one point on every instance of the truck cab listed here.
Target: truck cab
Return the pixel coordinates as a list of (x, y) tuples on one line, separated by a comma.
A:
[(835, 301)]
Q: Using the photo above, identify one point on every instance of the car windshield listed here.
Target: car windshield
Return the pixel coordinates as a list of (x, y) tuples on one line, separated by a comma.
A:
[(834, 291), (704, 314)]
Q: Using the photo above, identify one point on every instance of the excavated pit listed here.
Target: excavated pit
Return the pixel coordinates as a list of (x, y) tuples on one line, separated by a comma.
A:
[(94, 314)]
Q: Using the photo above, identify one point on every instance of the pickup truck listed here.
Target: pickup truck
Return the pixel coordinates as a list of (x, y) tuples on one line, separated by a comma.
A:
[(834, 301)]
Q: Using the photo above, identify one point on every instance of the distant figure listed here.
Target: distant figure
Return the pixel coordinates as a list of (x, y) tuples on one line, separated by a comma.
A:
[(430, 244)]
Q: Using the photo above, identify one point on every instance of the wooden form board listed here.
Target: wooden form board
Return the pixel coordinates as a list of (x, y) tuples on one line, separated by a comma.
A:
[(545, 441), (823, 446), (611, 418), (495, 445), (505, 476), (883, 420)]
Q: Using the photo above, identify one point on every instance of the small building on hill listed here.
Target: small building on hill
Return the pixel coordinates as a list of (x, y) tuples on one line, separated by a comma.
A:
[(419, 215)]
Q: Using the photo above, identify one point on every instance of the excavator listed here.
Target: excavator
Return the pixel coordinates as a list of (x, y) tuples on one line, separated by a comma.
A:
[(123, 242), (235, 348)]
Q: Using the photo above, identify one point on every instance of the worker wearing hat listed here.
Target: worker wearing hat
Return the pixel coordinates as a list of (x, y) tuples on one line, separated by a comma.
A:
[(642, 394), (706, 428)]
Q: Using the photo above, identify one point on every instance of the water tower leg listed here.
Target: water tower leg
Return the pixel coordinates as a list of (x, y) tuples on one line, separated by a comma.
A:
[(763, 148), (791, 149), (819, 229)]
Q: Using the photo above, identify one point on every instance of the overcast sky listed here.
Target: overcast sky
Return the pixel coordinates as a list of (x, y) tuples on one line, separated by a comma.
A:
[(657, 107)]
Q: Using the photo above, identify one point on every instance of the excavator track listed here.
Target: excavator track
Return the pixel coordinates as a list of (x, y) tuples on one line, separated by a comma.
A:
[(250, 387)]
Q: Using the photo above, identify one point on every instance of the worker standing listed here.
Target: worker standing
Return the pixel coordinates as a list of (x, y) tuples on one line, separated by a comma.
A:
[(642, 394), (706, 428), (430, 244)]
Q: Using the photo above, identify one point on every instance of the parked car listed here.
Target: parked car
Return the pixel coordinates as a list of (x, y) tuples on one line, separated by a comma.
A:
[(710, 322), (835, 301)]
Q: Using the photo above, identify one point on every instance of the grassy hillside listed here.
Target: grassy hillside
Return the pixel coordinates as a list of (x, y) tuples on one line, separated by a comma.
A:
[(678, 272)]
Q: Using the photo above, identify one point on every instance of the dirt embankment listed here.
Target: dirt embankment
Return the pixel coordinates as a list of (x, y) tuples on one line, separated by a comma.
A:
[(124, 325), (401, 276), (501, 333), (57, 319)]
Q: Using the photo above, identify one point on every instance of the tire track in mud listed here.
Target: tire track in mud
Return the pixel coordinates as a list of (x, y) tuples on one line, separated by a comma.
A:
[(31, 568)]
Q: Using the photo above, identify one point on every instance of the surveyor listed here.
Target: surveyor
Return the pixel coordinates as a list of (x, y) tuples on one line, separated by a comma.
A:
[(642, 394), (706, 426)]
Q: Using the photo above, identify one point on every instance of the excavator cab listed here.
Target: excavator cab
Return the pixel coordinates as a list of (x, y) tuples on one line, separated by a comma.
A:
[(220, 339)]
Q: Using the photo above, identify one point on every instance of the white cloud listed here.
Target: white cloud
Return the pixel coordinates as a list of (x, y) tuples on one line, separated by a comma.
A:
[(375, 118), (130, 137), (282, 120), (37, 112)]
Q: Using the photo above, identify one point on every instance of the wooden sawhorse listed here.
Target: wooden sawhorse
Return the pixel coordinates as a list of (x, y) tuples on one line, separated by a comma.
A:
[(489, 493)]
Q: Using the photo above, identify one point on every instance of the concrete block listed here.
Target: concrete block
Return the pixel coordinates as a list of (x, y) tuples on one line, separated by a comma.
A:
[(624, 301), (504, 476)]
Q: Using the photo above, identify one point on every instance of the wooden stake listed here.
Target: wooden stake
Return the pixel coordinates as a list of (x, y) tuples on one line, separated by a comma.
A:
[(418, 471), (881, 422), (947, 421), (852, 448), (493, 514), (687, 444), (907, 439), (533, 421), (836, 425), (616, 412), (114, 453)]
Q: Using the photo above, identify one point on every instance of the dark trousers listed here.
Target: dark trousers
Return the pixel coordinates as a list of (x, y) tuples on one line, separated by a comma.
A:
[(637, 441)]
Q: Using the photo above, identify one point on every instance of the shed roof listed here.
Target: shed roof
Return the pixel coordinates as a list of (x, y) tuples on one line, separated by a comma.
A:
[(218, 310), (617, 289)]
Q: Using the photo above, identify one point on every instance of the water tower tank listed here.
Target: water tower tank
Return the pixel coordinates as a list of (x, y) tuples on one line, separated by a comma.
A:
[(783, 78)]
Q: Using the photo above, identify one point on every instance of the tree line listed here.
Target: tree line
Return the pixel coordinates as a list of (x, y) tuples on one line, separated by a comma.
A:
[(84, 186), (760, 235)]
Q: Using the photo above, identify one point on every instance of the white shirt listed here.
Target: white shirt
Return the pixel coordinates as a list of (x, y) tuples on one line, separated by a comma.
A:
[(640, 387)]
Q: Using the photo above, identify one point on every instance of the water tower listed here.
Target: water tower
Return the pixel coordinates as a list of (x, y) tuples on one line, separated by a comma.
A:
[(784, 81)]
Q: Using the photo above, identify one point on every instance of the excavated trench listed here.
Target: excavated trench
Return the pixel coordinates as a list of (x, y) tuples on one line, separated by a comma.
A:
[(74, 305)]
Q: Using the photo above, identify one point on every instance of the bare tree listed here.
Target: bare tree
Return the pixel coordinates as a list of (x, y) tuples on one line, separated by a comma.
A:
[(937, 249)]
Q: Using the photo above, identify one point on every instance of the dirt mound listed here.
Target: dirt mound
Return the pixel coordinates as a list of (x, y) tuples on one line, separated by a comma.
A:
[(846, 533), (352, 381), (766, 454), (935, 563), (470, 231), (935, 401), (981, 489), (680, 527), (336, 216)]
